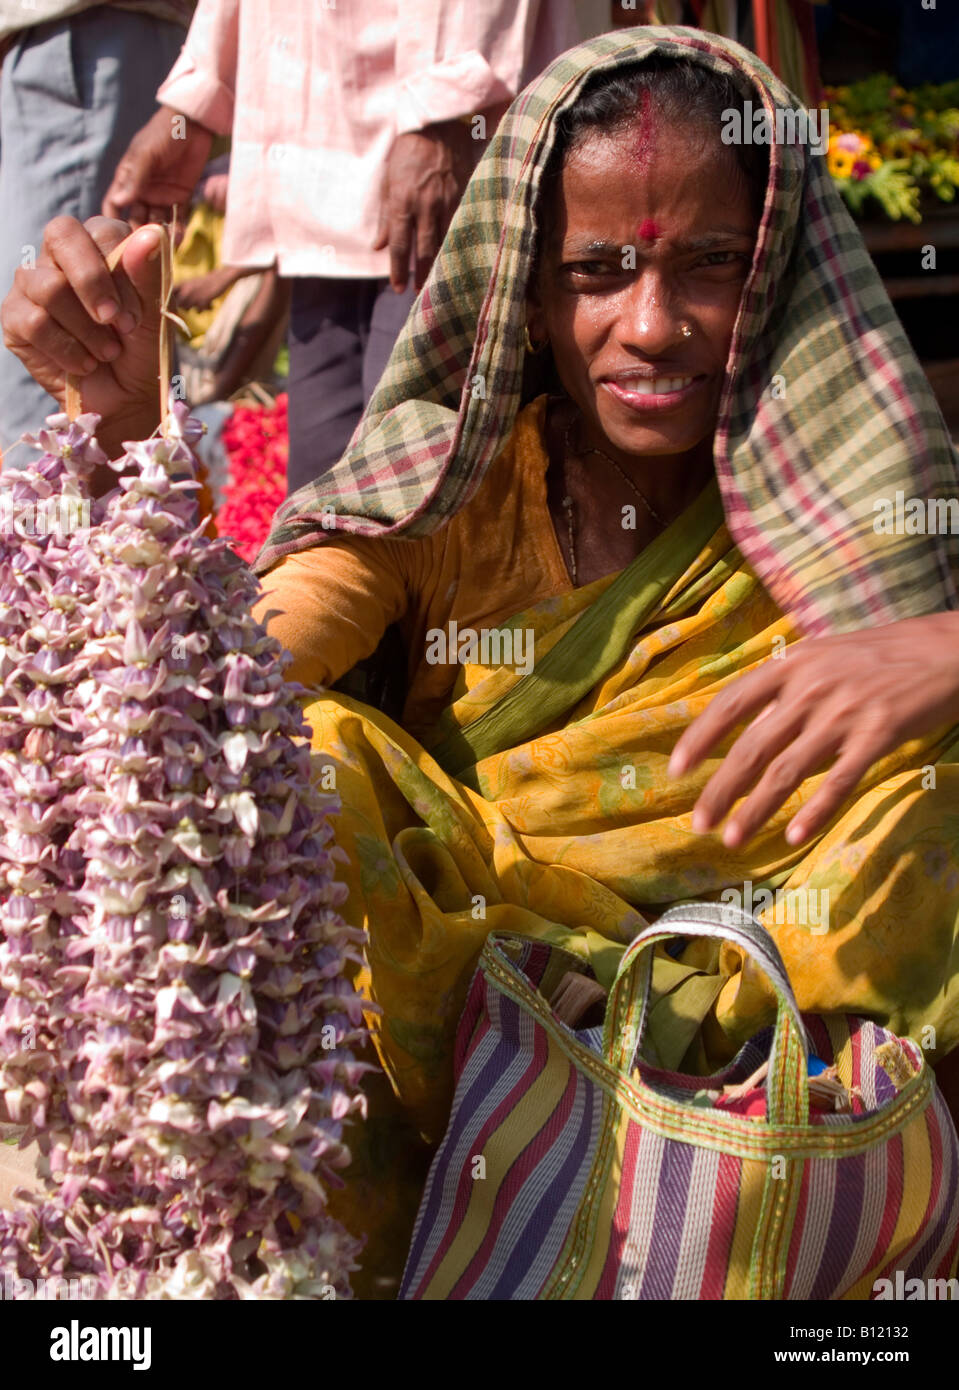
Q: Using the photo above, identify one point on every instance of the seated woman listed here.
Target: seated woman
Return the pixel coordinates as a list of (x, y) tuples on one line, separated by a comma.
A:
[(617, 490)]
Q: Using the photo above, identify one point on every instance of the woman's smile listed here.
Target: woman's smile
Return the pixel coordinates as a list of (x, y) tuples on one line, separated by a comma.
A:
[(652, 394)]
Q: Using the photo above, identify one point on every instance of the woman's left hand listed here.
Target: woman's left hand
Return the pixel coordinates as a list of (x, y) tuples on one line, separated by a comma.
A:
[(853, 698)]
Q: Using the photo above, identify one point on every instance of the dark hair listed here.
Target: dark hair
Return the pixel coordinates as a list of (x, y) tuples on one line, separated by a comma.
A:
[(684, 92)]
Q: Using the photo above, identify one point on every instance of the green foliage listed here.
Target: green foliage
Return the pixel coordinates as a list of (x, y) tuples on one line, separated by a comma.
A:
[(892, 188)]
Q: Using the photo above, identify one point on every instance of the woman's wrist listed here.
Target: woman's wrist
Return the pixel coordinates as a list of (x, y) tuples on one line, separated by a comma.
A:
[(949, 623), (937, 635)]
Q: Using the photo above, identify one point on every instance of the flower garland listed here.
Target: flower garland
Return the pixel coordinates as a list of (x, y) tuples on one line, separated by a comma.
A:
[(176, 1018)]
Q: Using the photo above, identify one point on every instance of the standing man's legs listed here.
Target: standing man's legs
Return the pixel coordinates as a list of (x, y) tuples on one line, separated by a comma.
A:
[(342, 332), (328, 330), (73, 93), (390, 311)]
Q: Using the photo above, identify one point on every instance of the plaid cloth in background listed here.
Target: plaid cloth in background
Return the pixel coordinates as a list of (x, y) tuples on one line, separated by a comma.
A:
[(799, 475)]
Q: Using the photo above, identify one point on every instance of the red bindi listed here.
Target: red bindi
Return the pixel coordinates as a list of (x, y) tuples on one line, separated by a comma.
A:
[(648, 230)]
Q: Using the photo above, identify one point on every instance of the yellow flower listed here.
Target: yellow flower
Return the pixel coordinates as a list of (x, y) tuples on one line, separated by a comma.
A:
[(840, 162)]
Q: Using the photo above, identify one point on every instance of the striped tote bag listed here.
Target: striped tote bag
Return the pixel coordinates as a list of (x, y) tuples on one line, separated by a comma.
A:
[(570, 1170)]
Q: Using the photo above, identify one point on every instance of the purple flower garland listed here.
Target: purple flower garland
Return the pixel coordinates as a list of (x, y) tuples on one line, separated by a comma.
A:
[(176, 1017)]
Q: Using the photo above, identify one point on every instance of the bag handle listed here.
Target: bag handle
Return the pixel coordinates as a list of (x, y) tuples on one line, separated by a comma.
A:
[(787, 1088), (73, 400)]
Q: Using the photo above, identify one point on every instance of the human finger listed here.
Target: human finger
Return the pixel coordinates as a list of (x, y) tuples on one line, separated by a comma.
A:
[(428, 238), (382, 238), (736, 702), (141, 266), (125, 207), (40, 343), (109, 235), (73, 249), (62, 320), (137, 214), (401, 241), (773, 729), (802, 758), (838, 784), (124, 198)]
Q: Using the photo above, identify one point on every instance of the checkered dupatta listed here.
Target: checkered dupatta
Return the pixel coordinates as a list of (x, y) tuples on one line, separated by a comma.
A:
[(570, 1172), (825, 408)]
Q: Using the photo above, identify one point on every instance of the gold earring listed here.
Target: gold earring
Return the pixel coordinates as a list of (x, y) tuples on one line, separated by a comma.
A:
[(529, 342)]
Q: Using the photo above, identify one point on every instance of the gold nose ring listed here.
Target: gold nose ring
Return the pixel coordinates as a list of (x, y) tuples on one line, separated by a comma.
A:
[(686, 331)]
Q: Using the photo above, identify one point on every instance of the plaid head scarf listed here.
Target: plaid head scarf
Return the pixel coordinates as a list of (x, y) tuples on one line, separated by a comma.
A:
[(800, 468)]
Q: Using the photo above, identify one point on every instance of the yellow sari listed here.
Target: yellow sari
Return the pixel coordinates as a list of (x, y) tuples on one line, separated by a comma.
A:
[(574, 832)]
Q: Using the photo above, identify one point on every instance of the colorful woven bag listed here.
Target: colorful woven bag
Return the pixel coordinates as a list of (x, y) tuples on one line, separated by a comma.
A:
[(570, 1171)]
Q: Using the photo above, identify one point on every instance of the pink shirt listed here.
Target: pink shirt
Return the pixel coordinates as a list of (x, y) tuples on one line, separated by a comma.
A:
[(315, 91)]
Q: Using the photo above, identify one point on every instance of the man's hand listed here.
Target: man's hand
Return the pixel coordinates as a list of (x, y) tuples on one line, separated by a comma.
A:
[(853, 698), (426, 173), (200, 291), (70, 315), (159, 170)]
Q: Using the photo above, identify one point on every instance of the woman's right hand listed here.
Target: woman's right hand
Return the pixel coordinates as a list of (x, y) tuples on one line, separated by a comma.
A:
[(70, 315)]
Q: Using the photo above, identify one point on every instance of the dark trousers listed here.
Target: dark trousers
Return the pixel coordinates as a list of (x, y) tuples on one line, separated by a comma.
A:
[(341, 335)]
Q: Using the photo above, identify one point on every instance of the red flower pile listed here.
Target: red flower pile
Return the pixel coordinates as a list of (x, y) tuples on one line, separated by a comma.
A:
[(256, 440)]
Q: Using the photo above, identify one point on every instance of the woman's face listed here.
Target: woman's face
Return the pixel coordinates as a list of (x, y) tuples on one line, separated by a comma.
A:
[(616, 329)]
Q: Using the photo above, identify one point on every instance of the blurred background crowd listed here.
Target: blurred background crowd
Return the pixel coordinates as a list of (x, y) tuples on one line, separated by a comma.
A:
[(311, 153)]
